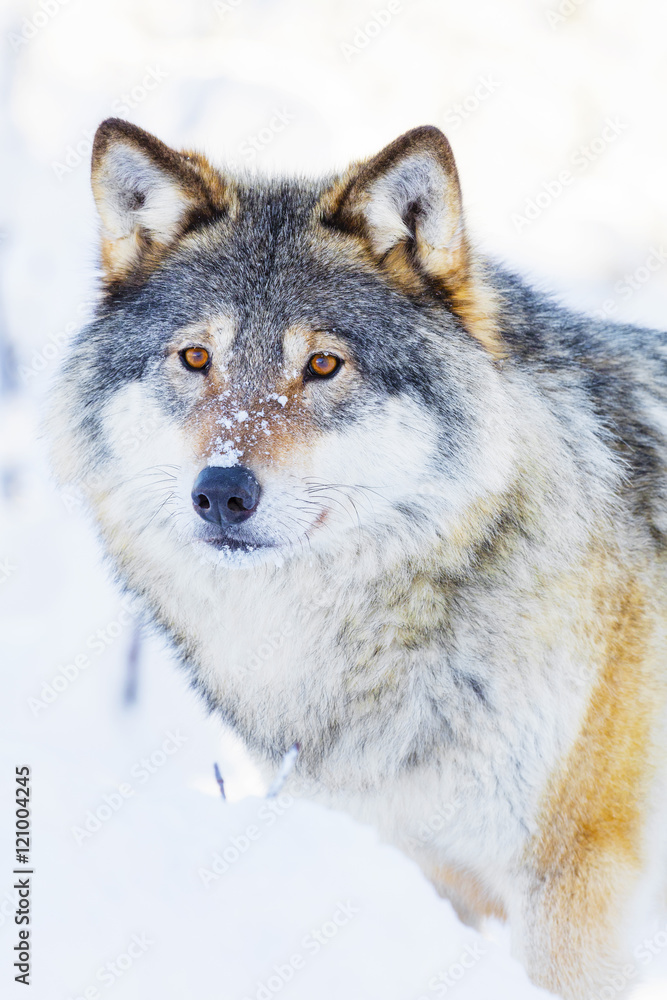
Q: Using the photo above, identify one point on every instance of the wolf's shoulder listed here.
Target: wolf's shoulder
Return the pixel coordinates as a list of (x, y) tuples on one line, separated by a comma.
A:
[(543, 331), (617, 373)]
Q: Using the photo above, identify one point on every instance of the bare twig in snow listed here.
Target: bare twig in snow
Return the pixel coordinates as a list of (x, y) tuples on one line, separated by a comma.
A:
[(132, 674), (218, 778)]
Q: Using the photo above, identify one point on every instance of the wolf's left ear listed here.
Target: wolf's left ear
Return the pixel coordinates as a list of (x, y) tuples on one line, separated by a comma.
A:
[(405, 206), (147, 196)]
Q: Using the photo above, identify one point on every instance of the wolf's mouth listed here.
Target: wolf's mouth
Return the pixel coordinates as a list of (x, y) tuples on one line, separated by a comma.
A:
[(228, 542), (235, 544)]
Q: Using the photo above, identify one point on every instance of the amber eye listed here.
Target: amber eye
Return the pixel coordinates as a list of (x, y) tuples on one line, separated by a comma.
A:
[(323, 365), (196, 358)]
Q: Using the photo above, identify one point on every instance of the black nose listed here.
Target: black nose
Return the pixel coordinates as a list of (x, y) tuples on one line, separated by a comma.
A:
[(225, 496)]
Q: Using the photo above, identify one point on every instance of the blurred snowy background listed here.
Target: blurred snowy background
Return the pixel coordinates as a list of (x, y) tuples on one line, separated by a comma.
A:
[(159, 890)]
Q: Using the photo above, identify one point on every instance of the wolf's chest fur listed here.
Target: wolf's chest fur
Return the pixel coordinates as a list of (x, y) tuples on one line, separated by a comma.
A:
[(412, 698)]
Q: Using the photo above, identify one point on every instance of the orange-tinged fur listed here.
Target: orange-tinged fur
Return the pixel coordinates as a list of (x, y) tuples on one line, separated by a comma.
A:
[(476, 305), (288, 429), (585, 859)]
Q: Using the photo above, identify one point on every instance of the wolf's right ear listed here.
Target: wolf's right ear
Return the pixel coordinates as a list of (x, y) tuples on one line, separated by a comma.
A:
[(147, 196)]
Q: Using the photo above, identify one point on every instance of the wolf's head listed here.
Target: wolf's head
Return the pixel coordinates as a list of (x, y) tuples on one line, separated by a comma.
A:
[(284, 365)]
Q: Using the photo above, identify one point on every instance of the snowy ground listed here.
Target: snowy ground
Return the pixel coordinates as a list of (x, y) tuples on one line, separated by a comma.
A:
[(173, 894)]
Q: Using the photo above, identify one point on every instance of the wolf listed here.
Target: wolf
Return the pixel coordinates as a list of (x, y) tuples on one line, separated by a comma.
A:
[(394, 505)]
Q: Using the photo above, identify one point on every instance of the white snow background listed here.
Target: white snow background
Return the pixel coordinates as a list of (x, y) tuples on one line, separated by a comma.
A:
[(311, 905)]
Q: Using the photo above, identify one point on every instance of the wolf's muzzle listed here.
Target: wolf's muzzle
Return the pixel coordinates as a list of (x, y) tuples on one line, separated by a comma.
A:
[(225, 496)]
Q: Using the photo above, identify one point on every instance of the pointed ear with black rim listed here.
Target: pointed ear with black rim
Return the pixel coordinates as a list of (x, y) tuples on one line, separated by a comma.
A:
[(147, 196), (405, 205)]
